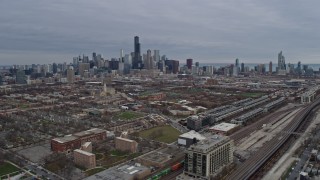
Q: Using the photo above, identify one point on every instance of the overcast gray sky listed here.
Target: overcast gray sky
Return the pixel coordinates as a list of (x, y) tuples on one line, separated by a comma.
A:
[(46, 31)]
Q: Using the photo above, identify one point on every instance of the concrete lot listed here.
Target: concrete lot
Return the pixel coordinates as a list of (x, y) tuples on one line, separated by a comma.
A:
[(36, 153)]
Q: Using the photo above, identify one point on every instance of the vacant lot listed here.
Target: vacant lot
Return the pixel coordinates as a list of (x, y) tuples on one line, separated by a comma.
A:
[(128, 115), (165, 134), (7, 168)]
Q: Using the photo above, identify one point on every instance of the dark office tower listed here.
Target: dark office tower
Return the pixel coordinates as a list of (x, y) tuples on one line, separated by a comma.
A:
[(85, 59), (298, 70), (270, 67), (305, 67), (237, 62), (242, 67), (197, 64), (172, 66), (137, 62), (94, 56), (1, 82), (189, 63), (114, 64), (54, 68)]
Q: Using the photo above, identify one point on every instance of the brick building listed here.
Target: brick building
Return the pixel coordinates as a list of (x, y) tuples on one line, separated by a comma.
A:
[(124, 144), (74, 141)]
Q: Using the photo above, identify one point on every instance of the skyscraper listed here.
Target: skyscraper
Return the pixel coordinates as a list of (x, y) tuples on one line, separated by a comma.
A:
[(236, 68), (156, 56), (137, 62), (237, 62), (242, 67), (70, 75), (281, 62), (127, 63), (21, 77), (94, 55), (189, 63), (148, 63), (121, 55), (270, 67)]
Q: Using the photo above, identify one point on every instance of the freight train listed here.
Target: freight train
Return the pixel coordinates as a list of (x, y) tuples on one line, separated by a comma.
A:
[(166, 171)]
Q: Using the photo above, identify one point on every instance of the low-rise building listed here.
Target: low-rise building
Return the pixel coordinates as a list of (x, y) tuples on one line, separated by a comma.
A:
[(124, 144), (224, 128), (84, 159), (127, 172)]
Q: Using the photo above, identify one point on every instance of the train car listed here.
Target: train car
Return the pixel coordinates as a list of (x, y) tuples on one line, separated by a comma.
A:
[(176, 166)]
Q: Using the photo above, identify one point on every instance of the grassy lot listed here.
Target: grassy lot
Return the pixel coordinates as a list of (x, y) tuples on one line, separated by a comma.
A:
[(94, 171), (128, 115), (7, 168), (99, 156), (286, 173), (111, 158), (165, 134), (252, 95), (118, 153)]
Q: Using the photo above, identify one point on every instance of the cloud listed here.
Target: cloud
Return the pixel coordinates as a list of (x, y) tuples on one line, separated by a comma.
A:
[(38, 31)]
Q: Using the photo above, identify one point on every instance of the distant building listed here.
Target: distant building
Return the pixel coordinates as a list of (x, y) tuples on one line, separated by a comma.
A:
[(21, 77), (83, 67), (137, 62), (172, 66), (270, 67), (208, 157), (156, 56), (84, 159), (242, 67), (70, 75), (1, 81), (124, 144), (74, 141), (281, 69), (189, 63)]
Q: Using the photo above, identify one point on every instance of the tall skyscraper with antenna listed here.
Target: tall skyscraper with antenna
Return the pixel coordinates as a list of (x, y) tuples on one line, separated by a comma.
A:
[(137, 62)]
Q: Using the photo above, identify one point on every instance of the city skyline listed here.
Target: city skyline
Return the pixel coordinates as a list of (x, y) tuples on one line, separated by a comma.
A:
[(210, 32)]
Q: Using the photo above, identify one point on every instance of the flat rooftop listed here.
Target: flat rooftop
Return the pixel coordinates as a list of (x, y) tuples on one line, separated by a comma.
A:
[(65, 139), (77, 135), (192, 134), (157, 157), (83, 133), (210, 142), (83, 152), (124, 139), (119, 173), (223, 127)]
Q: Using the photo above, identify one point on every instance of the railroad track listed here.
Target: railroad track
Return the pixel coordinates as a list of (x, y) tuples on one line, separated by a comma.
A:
[(246, 131), (256, 161), (172, 175)]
